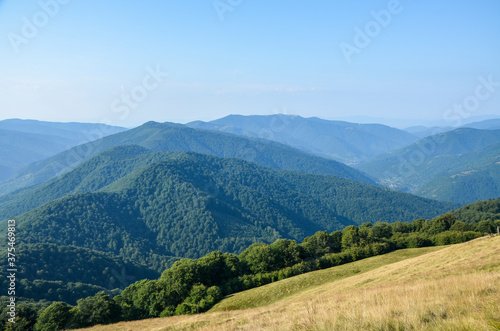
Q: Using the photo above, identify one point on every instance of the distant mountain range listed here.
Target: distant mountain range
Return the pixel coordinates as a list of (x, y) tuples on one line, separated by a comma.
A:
[(492, 124), (462, 165), (346, 142), (26, 141), (426, 131)]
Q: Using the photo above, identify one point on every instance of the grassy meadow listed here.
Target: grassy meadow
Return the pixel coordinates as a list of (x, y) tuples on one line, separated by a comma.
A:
[(437, 288)]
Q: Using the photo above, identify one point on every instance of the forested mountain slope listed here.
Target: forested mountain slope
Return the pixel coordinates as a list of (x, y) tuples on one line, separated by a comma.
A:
[(190, 204), (461, 166), (173, 137)]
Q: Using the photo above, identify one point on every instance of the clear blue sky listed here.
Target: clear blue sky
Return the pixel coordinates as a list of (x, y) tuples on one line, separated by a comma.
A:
[(87, 56)]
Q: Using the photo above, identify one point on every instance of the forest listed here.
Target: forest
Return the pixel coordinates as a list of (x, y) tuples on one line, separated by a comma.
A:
[(194, 285)]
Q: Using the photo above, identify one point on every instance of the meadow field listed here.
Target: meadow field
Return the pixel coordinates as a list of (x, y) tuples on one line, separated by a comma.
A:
[(438, 288)]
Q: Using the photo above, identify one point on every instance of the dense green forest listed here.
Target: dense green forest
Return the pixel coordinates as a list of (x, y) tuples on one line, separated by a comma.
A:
[(193, 286), (91, 176), (175, 137), (66, 273), (191, 204)]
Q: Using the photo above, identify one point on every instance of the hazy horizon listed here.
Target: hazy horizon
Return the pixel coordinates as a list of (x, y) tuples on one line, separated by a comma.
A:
[(406, 62)]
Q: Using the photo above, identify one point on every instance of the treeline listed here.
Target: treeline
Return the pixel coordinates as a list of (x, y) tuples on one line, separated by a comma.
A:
[(194, 286)]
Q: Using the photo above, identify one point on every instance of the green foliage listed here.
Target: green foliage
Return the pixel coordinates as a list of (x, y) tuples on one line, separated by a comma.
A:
[(382, 230), (461, 226), (259, 258), (350, 237), (485, 227), (479, 211), (99, 309), (322, 243), (439, 224), (454, 237), (26, 313), (55, 317), (200, 299)]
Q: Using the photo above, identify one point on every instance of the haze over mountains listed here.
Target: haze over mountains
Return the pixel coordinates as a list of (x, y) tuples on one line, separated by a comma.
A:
[(176, 137), (433, 162), (460, 165), (346, 142), (26, 141)]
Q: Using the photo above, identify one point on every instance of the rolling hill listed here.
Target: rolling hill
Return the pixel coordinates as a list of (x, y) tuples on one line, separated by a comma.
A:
[(26, 141), (346, 142), (160, 206), (173, 137), (452, 288), (461, 166)]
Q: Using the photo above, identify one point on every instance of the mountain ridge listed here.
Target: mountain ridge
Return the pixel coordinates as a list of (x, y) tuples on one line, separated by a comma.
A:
[(175, 137), (343, 141)]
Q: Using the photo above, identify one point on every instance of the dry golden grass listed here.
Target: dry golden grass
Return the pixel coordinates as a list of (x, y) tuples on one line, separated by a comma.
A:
[(455, 288)]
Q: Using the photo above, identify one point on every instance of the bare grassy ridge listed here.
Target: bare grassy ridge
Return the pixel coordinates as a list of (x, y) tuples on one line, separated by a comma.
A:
[(454, 288)]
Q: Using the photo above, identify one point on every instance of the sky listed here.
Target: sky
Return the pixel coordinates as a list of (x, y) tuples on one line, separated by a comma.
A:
[(128, 62)]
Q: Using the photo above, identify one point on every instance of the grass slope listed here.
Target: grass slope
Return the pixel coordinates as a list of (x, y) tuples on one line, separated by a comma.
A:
[(274, 292), (454, 288)]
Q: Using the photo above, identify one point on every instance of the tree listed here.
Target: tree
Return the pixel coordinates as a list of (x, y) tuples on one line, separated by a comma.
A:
[(258, 257), (401, 227), (461, 226), (318, 244), (99, 309), (486, 226), (382, 230), (55, 317), (440, 224), (25, 318), (350, 236), (286, 253)]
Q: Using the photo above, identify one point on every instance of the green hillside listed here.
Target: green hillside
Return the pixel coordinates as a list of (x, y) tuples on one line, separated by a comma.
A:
[(68, 273), (193, 286), (173, 137), (281, 290), (342, 141), (479, 211), (91, 176), (191, 204)]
